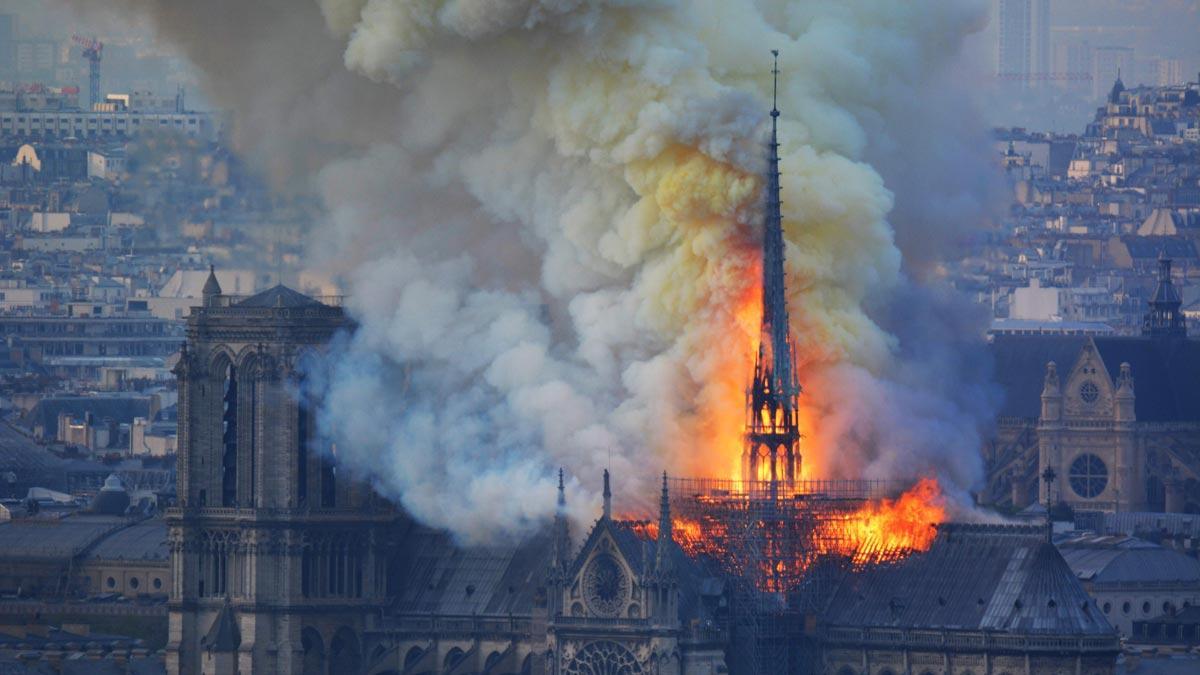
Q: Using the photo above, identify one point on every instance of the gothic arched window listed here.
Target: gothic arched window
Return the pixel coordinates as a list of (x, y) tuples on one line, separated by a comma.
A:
[(345, 655), (229, 438), (314, 652), (302, 440), (329, 479), (604, 657)]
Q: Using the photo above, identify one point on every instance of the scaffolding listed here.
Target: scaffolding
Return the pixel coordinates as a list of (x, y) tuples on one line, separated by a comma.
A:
[(781, 550)]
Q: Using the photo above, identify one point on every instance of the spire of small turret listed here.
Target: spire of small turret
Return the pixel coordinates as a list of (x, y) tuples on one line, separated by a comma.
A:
[(212, 288), (562, 532), (1165, 318), (664, 527), (607, 498), (1118, 88), (211, 285)]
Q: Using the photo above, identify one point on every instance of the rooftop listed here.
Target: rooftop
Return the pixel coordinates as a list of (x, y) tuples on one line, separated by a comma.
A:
[(999, 578)]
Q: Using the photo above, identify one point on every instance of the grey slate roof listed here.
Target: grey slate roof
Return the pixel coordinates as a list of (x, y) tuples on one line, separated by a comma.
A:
[(146, 541), (122, 409), (278, 296), (1149, 248), (54, 539), (1001, 578), (20, 454), (1164, 372), (1020, 368), (1113, 560), (440, 576)]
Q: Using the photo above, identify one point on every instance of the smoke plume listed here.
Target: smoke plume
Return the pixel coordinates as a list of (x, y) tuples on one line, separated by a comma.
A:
[(546, 214)]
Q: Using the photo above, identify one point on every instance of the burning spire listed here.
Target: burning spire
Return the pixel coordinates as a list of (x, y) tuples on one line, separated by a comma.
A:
[(772, 450)]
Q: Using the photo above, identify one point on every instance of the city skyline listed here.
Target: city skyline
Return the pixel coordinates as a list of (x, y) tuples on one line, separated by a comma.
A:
[(759, 337)]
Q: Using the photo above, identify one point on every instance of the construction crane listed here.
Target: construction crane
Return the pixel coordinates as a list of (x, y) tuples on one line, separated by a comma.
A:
[(92, 50)]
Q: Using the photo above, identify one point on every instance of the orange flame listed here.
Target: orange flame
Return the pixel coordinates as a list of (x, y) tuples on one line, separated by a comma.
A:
[(892, 527), (878, 532)]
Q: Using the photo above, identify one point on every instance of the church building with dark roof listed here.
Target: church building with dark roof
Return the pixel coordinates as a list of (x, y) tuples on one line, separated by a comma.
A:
[(1101, 423)]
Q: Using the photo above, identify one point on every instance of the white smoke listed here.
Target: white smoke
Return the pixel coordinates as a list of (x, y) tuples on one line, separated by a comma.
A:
[(546, 211)]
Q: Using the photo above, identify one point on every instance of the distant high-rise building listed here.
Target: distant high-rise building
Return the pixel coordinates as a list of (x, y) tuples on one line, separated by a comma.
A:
[(1040, 57), (1012, 40), (1169, 72), (35, 60), (1023, 40), (1109, 63), (8, 30), (1072, 64)]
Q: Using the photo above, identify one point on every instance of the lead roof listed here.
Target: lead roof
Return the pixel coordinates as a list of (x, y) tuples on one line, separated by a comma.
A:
[(976, 578)]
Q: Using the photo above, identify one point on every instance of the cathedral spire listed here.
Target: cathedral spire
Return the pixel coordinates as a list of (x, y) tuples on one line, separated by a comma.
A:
[(772, 431), (607, 498)]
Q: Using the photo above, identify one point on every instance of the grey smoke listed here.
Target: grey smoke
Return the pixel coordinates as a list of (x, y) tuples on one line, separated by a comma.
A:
[(543, 210)]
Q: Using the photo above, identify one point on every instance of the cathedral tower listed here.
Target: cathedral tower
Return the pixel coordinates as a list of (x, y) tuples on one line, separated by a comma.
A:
[(772, 426), (277, 559)]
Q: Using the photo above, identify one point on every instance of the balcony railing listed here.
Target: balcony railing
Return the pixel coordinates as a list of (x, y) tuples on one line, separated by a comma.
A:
[(972, 640), (460, 625), (301, 513)]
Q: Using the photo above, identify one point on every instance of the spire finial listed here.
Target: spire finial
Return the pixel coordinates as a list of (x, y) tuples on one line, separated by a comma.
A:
[(664, 512), (562, 530), (607, 498), (1048, 477), (664, 529), (775, 85), (211, 286)]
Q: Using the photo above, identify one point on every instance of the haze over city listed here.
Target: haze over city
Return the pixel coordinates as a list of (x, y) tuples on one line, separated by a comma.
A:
[(600, 336)]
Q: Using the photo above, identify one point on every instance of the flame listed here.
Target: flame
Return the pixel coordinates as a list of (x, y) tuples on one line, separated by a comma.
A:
[(890, 528), (784, 550)]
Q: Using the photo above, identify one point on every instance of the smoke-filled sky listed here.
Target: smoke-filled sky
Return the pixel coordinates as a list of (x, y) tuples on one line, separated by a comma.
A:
[(546, 213)]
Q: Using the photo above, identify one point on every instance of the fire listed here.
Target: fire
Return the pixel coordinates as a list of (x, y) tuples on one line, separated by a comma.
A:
[(892, 527), (795, 536), (689, 534)]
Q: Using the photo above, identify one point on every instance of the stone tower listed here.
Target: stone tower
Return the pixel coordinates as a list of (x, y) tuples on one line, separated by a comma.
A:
[(277, 560)]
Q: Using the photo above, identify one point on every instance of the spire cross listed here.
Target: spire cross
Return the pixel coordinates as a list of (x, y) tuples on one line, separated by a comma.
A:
[(775, 85)]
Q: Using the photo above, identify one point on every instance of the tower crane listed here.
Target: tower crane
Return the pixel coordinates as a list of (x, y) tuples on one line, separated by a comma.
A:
[(92, 51)]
